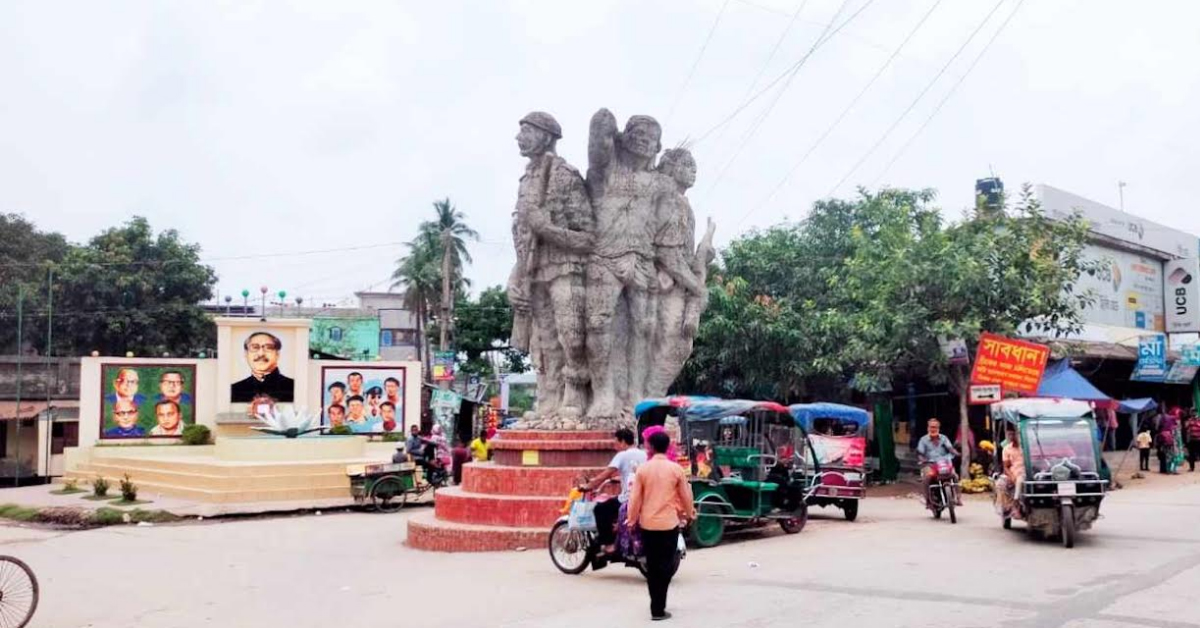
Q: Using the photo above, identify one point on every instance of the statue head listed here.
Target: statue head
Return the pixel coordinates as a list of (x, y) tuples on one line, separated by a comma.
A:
[(642, 137), (539, 134), (680, 166)]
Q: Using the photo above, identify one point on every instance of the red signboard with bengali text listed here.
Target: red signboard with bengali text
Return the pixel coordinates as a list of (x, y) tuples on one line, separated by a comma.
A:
[(1016, 365)]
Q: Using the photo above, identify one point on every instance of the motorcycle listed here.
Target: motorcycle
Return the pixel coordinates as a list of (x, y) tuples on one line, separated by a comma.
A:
[(573, 546), (943, 489)]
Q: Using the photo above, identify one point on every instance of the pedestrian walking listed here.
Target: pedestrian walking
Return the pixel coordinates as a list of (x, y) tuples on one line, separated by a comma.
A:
[(660, 495), (1192, 431), (1144, 440), (1165, 442)]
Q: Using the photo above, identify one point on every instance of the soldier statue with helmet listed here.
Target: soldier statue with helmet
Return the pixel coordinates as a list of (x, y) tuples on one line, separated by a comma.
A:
[(553, 230)]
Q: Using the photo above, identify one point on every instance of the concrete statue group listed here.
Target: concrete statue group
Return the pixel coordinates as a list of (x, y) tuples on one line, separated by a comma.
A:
[(609, 284)]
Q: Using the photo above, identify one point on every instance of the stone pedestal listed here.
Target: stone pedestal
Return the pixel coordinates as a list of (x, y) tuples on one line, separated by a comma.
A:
[(513, 500)]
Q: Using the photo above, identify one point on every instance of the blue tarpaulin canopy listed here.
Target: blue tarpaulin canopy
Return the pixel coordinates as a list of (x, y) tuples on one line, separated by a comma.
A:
[(1064, 382), (1134, 406)]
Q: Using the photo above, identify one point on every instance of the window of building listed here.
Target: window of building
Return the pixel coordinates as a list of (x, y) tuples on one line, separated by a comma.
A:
[(64, 435), (397, 337), (335, 334)]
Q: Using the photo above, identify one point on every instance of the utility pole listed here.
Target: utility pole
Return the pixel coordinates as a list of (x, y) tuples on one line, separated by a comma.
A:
[(20, 359), (1121, 192), (49, 366)]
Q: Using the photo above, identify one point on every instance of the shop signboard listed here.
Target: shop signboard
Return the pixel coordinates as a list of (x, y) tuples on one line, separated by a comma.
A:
[(1152, 359), (1016, 365), (443, 366), (1181, 373), (1127, 290), (984, 394), (1191, 354), (955, 350), (1183, 295)]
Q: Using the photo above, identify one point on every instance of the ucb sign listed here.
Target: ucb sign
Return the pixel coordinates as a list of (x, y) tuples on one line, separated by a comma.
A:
[(1182, 291)]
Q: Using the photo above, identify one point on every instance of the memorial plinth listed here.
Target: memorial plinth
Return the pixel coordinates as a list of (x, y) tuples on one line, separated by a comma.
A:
[(513, 500)]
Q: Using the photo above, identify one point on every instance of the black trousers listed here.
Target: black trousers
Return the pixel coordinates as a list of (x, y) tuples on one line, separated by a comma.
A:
[(606, 520), (659, 546), (1144, 459), (1193, 454), (1163, 456)]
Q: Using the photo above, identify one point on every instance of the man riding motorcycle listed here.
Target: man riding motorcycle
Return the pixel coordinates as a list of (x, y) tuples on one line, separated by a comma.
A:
[(624, 464), (932, 447)]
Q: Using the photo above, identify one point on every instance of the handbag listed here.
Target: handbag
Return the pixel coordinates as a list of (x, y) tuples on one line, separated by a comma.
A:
[(582, 516)]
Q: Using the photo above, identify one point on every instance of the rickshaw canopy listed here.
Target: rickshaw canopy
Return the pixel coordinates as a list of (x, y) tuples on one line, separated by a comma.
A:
[(806, 413), (701, 409), (1017, 410)]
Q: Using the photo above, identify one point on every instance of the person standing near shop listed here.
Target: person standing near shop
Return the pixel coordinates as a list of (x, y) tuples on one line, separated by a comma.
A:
[(1144, 440), (659, 496), (1191, 430)]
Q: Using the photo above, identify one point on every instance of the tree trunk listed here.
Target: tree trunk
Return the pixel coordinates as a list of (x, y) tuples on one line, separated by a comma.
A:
[(959, 380), (444, 327)]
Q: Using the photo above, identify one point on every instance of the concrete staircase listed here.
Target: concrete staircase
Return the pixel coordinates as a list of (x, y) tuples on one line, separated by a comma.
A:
[(216, 481)]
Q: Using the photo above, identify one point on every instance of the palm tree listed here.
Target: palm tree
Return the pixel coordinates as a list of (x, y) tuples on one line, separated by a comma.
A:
[(433, 270), (419, 275), (451, 230)]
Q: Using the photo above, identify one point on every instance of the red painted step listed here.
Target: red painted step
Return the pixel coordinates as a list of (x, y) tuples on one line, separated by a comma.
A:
[(454, 504), (425, 532)]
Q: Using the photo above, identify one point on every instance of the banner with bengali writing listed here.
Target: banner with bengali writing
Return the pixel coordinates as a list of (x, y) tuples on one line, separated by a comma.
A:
[(1016, 365)]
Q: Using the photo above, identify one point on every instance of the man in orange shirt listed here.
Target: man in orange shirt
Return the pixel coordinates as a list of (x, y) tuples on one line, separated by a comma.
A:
[(659, 496)]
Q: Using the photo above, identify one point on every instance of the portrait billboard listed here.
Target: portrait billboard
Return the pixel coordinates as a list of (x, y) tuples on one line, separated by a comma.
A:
[(146, 400), (262, 365), (1183, 295), (367, 399)]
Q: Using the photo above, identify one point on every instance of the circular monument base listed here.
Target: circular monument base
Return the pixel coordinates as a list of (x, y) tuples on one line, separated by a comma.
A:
[(512, 501)]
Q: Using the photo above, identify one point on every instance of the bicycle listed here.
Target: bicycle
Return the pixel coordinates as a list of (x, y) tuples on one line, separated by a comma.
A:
[(18, 592)]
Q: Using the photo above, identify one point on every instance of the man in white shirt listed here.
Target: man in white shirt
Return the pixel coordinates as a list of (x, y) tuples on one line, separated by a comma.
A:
[(624, 465)]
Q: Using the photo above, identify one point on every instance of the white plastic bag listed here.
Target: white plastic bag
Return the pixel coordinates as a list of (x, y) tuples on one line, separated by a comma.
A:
[(583, 516)]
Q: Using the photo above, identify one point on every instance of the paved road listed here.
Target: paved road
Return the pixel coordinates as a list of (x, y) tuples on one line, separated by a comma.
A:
[(1139, 567)]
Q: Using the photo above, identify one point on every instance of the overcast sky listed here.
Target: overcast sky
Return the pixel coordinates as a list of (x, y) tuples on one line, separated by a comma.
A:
[(258, 128)]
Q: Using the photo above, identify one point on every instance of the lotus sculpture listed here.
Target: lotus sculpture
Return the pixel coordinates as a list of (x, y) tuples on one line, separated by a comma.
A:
[(287, 422)]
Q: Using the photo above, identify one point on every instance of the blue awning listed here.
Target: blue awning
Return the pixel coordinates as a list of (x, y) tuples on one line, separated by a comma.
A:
[(1064, 382), (1135, 406)]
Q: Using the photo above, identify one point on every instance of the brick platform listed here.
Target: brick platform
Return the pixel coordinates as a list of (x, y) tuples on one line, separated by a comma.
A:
[(512, 501)]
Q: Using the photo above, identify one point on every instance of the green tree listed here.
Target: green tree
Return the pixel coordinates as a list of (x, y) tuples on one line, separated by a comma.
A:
[(129, 289), (916, 280), (483, 326), (862, 290), (431, 273), (418, 273), (27, 256)]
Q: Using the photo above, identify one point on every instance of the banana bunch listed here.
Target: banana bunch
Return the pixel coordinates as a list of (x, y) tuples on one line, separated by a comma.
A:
[(978, 482)]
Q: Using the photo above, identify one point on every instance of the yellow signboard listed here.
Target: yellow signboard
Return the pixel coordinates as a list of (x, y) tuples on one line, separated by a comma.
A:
[(529, 458)]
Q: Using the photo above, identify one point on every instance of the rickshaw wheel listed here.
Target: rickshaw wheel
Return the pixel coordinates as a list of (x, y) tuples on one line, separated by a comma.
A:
[(1067, 521), (388, 494), (709, 526), (850, 509), (795, 524)]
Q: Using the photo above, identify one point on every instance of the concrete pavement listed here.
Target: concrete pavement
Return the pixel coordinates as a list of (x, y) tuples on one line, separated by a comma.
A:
[(896, 566)]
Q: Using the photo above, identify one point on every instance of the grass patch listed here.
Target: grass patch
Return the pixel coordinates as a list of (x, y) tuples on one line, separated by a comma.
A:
[(18, 513), (83, 517), (101, 498), (68, 491), (111, 516)]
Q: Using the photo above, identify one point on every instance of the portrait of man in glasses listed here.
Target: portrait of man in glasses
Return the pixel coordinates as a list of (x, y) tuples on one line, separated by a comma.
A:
[(262, 356)]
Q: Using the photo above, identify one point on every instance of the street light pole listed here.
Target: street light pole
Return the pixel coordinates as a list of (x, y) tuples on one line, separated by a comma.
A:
[(1121, 193), (20, 359)]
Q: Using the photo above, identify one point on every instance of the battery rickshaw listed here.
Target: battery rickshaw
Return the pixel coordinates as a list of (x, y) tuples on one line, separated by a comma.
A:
[(748, 462), (1063, 481), (838, 435)]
